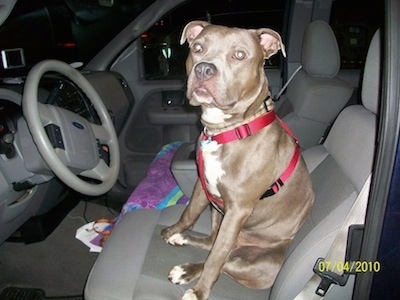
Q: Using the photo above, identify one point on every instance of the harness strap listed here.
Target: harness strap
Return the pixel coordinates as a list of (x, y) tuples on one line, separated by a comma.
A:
[(285, 175), (242, 132)]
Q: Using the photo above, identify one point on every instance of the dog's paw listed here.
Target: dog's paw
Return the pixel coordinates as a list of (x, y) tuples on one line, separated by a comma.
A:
[(176, 275), (177, 239), (186, 273), (166, 233), (189, 295), (171, 234)]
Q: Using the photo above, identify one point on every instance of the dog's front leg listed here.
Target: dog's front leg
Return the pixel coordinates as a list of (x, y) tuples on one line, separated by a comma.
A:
[(198, 203), (206, 242), (231, 225)]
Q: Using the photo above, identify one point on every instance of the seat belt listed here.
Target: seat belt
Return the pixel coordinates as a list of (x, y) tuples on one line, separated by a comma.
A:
[(319, 284), (287, 83)]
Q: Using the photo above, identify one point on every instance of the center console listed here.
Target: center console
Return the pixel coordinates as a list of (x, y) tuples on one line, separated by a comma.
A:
[(184, 168)]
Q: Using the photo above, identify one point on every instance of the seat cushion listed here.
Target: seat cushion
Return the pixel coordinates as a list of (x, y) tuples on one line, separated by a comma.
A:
[(142, 260)]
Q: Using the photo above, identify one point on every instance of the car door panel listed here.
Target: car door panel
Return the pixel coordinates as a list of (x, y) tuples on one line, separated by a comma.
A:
[(156, 121)]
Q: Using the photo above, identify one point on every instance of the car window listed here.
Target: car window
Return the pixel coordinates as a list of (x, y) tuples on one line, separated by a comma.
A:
[(164, 57), (68, 30), (354, 26)]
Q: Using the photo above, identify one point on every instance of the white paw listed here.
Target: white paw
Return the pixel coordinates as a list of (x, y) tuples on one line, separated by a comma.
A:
[(189, 295), (175, 275), (177, 239)]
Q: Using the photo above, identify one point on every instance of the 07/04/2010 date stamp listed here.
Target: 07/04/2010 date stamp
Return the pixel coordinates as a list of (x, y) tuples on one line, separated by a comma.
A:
[(353, 267)]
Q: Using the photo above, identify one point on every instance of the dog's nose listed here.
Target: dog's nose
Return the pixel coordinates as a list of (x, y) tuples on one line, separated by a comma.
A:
[(205, 71)]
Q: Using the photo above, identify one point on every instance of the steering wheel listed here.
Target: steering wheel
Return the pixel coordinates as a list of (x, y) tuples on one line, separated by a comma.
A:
[(72, 153)]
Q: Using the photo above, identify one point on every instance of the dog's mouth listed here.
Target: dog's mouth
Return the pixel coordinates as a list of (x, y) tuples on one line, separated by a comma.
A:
[(202, 92), (202, 95)]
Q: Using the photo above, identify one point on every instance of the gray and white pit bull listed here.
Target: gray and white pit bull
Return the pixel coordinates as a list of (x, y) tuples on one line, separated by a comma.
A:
[(250, 166)]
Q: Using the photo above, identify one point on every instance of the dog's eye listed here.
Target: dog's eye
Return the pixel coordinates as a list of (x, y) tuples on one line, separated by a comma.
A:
[(197, 48), (239, 55)]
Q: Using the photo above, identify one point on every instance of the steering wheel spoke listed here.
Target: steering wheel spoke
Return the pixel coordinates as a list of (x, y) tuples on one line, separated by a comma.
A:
[(45, 114), (98, 173), (100, 133)]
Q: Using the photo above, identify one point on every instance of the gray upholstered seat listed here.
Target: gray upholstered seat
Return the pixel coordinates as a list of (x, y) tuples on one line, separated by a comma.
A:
[(135, 260), (315, 95)]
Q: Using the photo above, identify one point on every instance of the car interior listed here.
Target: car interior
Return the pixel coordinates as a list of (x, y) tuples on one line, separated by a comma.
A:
[(80, 142), (135, 259)]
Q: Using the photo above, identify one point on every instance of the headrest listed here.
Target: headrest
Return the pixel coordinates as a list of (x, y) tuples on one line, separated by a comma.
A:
[(320, 54), (370, 92)]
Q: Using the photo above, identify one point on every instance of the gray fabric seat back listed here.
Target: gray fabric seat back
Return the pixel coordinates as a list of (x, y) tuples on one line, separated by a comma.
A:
[(316, 95), (338, 169)]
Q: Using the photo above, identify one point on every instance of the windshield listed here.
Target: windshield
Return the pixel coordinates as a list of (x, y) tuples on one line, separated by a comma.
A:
[(68, 30)]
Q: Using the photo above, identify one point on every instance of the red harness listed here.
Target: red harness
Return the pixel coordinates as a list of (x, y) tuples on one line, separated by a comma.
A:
[(240, 133)]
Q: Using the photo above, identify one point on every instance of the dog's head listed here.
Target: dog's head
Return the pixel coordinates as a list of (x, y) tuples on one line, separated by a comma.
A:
[(225, 66)]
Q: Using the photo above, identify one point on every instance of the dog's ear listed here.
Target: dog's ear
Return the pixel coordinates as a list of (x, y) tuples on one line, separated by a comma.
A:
[(271, 42), (192, 30)]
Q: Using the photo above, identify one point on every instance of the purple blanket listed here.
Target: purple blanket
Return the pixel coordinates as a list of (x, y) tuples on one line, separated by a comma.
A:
[(156, 191), (159, 188)]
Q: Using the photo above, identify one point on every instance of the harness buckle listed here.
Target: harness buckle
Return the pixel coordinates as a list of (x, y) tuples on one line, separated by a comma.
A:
[(243, 131), (268, 109)]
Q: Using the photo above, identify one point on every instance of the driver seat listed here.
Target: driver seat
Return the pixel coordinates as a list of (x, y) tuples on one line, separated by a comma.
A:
[(135, 261)]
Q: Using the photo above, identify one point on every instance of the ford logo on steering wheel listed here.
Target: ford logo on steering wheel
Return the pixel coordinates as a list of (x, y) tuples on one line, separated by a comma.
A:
[(78, 125)]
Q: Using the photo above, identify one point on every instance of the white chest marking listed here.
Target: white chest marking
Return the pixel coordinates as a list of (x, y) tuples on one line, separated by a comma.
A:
[(212, 166), (214, 115)]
